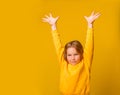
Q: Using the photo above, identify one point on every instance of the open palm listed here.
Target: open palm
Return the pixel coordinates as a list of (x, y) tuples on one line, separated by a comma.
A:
[(90, 19), (50, 19)]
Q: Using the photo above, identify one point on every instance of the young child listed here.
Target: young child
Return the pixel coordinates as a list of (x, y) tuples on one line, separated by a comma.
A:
[(75, 62)]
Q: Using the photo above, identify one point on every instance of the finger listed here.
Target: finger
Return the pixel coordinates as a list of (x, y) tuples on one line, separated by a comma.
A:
[(97, 15), (92, 13), (85, 17), (50, 14), (57, 17), (46, 16), (44, 20)]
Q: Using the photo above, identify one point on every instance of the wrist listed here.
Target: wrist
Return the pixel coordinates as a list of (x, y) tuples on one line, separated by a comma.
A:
[(90, 25), (53, 27)]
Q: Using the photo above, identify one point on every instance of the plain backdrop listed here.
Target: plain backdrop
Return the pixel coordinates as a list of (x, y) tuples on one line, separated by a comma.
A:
[(28, 62)]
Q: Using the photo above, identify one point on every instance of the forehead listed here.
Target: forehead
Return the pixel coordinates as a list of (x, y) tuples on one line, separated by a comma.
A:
[(71, 50)]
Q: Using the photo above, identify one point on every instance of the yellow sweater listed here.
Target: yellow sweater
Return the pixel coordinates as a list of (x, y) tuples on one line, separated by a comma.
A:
[(75, 79)]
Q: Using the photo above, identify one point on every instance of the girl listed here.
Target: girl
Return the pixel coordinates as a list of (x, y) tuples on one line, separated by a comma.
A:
[(75, 62)]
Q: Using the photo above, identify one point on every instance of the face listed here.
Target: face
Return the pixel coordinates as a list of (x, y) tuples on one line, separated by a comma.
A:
[(73, 57)]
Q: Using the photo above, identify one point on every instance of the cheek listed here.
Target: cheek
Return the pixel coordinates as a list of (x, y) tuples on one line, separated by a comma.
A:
[(68, 58), (78, 58)]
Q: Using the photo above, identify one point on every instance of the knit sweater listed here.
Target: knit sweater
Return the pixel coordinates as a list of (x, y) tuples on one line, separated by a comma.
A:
[(75, 79)]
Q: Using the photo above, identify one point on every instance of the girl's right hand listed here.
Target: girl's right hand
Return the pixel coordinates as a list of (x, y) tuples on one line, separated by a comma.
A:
[(50, 19)]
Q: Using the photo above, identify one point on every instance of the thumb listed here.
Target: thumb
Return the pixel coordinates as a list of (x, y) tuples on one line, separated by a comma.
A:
[(85, 17), (57, 18)]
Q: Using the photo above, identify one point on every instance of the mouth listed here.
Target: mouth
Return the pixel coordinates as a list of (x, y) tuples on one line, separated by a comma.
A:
[(73, 61)]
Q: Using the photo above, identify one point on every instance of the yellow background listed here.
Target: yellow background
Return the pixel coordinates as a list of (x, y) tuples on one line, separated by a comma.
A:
[(28, 62)]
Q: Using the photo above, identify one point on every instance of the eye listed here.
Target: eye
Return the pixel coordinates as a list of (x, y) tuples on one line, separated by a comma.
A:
[(76, 54), (69, 55)]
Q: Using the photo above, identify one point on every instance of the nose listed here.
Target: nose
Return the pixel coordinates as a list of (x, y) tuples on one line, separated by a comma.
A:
[(73, 57)]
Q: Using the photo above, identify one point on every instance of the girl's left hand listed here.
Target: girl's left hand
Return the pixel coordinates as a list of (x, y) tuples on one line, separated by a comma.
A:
[(90, 19)]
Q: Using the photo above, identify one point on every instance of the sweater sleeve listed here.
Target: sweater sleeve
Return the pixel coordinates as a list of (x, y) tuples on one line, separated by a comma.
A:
[(57, 43), (89, 47)]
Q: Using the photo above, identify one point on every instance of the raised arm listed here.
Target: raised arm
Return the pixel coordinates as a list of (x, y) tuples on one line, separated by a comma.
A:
[(56, 39), (89, 45)]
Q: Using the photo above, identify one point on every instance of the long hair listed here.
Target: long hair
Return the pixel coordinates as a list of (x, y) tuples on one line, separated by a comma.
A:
[(75, 44)]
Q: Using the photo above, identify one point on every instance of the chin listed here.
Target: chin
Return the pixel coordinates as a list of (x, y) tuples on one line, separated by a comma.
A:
[(73, 63)]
